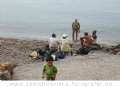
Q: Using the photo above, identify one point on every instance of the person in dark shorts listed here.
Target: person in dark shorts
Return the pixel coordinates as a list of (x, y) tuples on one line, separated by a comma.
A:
[(75, 29)]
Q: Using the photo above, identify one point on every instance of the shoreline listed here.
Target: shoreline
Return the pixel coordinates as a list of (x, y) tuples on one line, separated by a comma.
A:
[(110, 43), (19, 49)]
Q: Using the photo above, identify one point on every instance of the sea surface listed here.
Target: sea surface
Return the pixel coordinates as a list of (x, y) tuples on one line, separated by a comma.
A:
[(38, 19)]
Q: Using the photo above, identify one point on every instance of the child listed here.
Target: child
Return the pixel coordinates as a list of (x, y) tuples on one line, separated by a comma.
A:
[(71, 50), (49, 69), (94, 36)]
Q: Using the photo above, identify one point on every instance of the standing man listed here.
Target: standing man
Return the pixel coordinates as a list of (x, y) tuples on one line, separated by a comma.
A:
[(53, 44), (75, 28)]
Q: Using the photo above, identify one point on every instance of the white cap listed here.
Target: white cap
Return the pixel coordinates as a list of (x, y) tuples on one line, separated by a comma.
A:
[(64, 35)]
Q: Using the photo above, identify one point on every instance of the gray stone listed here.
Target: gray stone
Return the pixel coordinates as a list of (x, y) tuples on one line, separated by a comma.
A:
[(118, 53), (5, 75), (118, 46)]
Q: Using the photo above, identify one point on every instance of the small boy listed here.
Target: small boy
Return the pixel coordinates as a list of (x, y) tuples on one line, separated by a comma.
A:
[(71, 50), (49, 69), (94, 36)]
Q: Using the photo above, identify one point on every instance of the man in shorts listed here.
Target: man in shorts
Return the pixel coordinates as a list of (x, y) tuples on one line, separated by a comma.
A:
[(75, 28)]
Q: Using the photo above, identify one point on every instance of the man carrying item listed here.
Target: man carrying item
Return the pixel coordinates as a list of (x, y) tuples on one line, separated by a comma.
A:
[(53, 44), (75, 28)]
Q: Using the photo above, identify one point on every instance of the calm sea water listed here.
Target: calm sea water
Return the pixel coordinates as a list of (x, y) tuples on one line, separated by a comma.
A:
[(38, 19)]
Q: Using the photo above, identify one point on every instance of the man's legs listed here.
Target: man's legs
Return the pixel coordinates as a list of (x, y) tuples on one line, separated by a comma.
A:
[(52, 78), (73, 32), (76, 34)]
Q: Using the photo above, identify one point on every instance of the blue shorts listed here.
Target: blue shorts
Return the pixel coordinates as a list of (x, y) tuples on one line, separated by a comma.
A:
[(71, 49)]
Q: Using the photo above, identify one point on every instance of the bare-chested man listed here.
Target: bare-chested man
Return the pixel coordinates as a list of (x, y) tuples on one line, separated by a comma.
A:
[(86, 40)]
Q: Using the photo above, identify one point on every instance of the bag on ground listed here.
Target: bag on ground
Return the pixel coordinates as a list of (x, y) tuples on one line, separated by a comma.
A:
[(33, 54), (60, 55)]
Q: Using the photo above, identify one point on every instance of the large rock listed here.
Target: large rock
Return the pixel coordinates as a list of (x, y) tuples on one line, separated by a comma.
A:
[(118, 53), (8, 67), (115, 50), (118, 46), (6, 71), (105, 49), (83, 51), (5, 75)]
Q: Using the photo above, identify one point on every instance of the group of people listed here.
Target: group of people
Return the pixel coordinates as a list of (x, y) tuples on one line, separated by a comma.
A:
[(88, 40), (62, 45), (65, 44), (49, 69)]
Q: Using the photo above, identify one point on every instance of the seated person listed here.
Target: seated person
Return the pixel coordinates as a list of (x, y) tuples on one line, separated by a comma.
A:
[(86, 41), (65, 43), (53, 44), (94, 36)]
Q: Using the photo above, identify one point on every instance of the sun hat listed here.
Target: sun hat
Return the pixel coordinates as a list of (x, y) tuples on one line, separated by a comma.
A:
[(64, 35)]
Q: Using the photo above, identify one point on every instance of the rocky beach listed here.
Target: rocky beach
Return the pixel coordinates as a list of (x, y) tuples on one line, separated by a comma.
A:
[(97, 65)]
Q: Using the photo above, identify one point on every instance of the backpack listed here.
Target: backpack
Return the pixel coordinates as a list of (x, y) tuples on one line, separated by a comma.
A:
[(47, 49), (41, 52), (84, 51)]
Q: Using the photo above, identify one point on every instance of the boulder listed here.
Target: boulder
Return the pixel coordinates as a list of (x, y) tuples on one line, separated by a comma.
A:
[(115, 51), (118, 46), (118, 53), (105, 49), (5, 75), (8, 67), (6, 71), (84, 51)]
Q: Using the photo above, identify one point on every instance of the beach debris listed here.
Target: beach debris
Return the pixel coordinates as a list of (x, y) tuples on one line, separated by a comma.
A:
[(37, 53), (33, 54)]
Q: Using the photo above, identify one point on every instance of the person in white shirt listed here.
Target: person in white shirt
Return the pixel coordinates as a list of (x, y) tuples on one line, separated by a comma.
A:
[(53, 44)]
